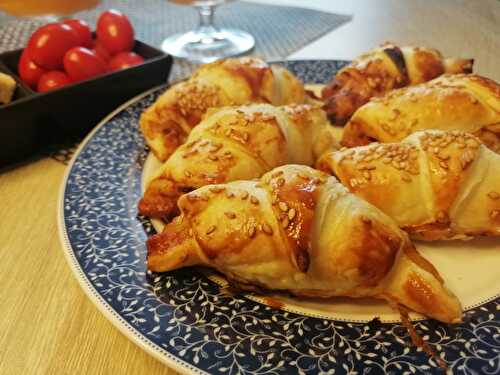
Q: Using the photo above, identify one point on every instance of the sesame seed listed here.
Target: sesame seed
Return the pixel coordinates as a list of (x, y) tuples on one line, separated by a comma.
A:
[(281, 181), (192, 197), (217, 189), (493, 195), (254, 200), (211, 229), (443, 165), (366, 220), (283, 206), (213, 157), (474, 100), (244, 195), (190, 232), (251, 231), (230, 215), (204, 198), (494, 214), (441, 216), (303, 176), (443, 157), (187, 174), (229, 194), (266, 228), (406, 178), (367, 175), (291, 213), (285, 223)]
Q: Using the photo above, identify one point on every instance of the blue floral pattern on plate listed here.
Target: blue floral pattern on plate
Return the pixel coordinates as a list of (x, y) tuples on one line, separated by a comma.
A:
[(187, 321)]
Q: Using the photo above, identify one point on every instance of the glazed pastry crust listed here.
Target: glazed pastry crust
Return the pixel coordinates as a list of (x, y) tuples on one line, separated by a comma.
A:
[(435, 184), (296, 229), (470, 103), (234, 143), (230, 82), (381, 70)]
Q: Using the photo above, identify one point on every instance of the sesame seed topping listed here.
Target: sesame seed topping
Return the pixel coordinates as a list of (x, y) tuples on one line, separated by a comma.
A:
[(192, 197), (281, 181), (229, 194), (443, 165), (230, 215), (254, 200), (190, 232), (285, 223), (494, 214), (213, 157), (303, 176), (251, 231), (277, 174), (217, 189), (291, 213), (366, 220), (203, 197), (283, 206), (406, 178), (266, 228), (441, 217), (367, 175), (211, 229), (244, 195), (493, 195), (187, 174)]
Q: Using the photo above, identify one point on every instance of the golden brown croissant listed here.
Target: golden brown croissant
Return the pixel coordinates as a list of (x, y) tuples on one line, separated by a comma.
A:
[(297, 229), (435, 184), (234, 143), (245, 80), (381, 70), (470, 103)]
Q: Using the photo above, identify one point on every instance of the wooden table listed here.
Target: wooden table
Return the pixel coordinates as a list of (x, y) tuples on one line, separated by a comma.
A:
[(47, 324)]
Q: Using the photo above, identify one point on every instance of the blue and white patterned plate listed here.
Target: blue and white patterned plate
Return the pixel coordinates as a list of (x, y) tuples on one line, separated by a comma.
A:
[(187, 321)]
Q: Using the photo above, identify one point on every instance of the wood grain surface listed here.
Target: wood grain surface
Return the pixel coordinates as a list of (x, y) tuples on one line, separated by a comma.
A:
[(48, 325)]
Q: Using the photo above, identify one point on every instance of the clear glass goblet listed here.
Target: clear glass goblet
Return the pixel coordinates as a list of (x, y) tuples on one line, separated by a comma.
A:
[(207, 43)]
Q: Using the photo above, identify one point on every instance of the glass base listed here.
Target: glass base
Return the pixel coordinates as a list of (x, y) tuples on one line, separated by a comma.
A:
[(205, 47)]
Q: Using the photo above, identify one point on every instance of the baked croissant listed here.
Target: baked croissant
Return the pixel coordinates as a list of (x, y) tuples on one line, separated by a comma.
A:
[(234, 143), (381, 70), (434, 184), (301, 231), (464, 102), (245, 80)]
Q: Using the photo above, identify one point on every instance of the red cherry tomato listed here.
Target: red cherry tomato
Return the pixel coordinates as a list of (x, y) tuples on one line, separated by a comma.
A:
[(124, 60), (29, 72), (52, 80), (83, 31), (49, 43), (101, 51), (81, 63), (115, 31)]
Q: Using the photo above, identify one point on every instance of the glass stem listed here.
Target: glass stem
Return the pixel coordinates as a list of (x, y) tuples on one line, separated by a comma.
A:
[(206, 25)]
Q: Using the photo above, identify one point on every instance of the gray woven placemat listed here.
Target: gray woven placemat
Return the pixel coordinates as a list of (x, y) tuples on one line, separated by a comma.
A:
[(278, 30)]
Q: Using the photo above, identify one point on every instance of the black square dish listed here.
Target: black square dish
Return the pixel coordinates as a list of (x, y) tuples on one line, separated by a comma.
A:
[(33, 121)]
